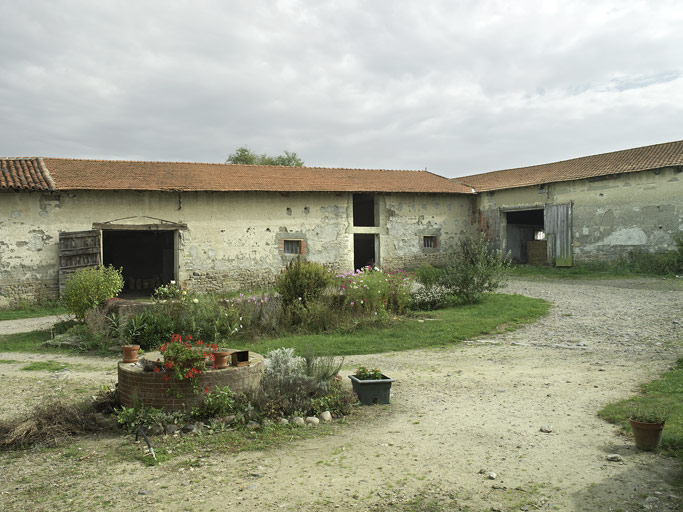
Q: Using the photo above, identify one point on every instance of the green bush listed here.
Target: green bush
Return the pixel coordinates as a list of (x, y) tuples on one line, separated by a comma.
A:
[(91, 287), (303, 282), (658, 263), (428, 275), (473, 269), (216, 404)]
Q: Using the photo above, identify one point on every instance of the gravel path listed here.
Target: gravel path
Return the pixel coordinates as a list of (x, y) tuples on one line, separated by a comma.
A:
[(458, 413), (30, 324)]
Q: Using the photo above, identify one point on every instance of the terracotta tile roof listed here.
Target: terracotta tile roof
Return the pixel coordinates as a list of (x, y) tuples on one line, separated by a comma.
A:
[(24, 174), (618, 162), (72, 174)]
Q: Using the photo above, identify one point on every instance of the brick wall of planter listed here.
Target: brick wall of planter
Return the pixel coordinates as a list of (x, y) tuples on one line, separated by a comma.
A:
[(149, 389)]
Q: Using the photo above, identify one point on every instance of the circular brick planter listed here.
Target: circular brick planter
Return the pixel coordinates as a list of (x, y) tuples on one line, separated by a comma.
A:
[(137, 387)]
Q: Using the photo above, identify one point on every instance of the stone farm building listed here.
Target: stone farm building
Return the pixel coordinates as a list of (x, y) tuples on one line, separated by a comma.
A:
[(223, 226)]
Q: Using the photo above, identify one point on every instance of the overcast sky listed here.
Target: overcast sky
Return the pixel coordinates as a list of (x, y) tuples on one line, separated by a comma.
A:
[(456, 87)]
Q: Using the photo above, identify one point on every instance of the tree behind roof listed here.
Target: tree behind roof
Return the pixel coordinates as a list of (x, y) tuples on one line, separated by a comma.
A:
[(243, 155)]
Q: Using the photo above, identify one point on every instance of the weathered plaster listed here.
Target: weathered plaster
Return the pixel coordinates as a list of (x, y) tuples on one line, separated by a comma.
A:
[(232, 239), (611, 215)]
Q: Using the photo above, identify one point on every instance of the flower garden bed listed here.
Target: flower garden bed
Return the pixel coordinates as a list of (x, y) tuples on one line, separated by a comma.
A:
[(152, 389)]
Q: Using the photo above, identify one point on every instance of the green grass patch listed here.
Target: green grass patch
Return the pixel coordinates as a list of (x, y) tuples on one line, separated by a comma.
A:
[(26, 342), (168, 448), (665, 393), (597, 270), (32, 311), (46, 366), (496, 313), (9, 361)]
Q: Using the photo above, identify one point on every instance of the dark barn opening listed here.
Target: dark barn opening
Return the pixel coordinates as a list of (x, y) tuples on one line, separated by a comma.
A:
[(525, 236), (363, 250), (364, 210), (146, 258)]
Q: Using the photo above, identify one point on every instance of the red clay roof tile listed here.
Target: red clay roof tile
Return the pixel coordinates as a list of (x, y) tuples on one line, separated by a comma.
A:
[(73, 174), (629, 160), (24, 174)]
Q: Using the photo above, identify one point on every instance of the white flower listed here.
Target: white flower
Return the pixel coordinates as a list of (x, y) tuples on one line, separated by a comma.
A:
[(299, 298), (172, 282), (196, 301), (184, 292)]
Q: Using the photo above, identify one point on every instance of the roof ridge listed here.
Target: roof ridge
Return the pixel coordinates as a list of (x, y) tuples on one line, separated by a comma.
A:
[(574, 159), (235, 165)]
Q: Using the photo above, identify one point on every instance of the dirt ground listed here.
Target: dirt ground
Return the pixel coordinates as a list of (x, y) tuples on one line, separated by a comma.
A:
[(458, 413)]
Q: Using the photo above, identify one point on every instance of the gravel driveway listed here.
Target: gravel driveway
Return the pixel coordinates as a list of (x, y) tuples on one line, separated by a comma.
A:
[(459, 414)]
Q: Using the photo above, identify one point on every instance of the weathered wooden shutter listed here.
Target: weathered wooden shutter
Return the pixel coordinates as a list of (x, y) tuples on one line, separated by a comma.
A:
[(78, 249), (558, 230), (489, 225)]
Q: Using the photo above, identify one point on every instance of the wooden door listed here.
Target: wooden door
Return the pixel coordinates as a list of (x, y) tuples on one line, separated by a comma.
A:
[(558, 230), (78, 249)]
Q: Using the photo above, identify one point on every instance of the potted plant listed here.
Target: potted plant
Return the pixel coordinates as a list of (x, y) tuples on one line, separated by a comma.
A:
[(130, 353), (371, 386), (647, 423)]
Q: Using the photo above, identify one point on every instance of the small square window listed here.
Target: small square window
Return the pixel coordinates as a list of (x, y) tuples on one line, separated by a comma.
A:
[(292, 247), (429, 242)]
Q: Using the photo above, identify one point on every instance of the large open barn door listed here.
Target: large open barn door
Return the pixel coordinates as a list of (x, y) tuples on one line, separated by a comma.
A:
[(78, 249), (558, 230)]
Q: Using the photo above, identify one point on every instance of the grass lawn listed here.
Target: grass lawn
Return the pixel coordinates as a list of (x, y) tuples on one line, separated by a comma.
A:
[(497, 312), (580, 271), (32, 311), (665, 393), (27, 342)]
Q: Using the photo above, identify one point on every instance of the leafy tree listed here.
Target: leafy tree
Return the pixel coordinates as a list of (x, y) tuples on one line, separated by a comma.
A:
[(243, 155)]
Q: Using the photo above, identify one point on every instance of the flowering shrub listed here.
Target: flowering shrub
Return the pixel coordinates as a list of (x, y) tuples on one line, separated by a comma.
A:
[(365, 373), (257, 314), (170, 291), (431, 297), (184, 359), (371, 290)]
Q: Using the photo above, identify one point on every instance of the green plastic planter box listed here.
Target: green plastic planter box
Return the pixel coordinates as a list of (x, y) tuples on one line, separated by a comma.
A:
[(373, 391)]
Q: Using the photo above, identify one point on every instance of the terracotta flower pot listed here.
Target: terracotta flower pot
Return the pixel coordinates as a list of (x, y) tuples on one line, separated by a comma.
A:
[(220, 359), (130, 353), (647, 435)]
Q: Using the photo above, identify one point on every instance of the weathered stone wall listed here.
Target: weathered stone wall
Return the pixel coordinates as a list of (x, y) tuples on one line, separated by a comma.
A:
[(410, 217), (611, 215), (232, 240)]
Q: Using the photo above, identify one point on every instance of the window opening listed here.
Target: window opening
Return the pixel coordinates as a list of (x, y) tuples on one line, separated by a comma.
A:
[(364, 210), (292, 247), (429, 242)]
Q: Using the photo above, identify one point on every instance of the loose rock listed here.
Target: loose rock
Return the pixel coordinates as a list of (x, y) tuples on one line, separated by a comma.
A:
[(325, 416), (312, 420), (614, 457), (298, 421), (547, 429)]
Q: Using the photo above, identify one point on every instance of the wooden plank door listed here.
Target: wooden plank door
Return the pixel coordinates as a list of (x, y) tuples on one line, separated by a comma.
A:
[(558, 230), (78, 249)]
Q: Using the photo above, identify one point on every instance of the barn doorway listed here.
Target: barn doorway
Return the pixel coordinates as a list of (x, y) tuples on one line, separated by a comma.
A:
[(364, 250), (525, 236), (146, 256)]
